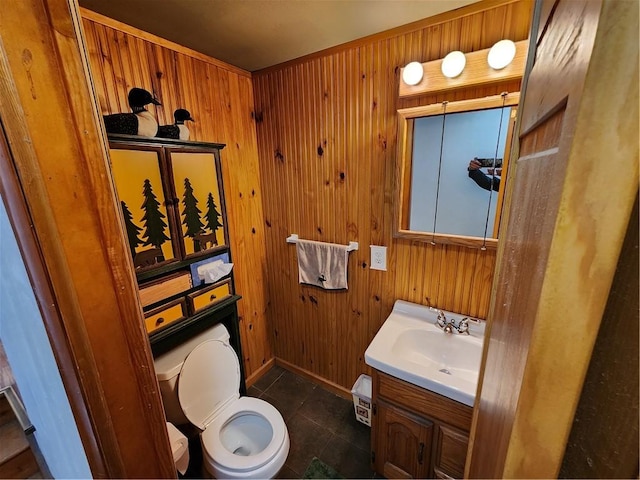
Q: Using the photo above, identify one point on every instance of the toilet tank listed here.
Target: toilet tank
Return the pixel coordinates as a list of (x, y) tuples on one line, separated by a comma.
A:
[(169, 364)]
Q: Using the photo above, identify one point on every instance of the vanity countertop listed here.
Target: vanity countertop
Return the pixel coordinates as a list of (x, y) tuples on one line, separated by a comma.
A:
[(411, 347)]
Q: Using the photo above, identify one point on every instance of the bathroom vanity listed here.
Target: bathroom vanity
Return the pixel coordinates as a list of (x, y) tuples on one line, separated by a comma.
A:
[(424, 383), (417, 433)]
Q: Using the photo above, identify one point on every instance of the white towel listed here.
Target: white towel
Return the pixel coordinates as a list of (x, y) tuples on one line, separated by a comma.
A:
[(322, 264)]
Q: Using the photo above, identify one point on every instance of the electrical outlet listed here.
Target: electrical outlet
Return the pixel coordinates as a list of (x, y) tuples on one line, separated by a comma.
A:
[(378, 257)]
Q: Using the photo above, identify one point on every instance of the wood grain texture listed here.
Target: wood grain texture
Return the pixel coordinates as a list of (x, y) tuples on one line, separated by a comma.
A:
[(451, 451), (123, 28), (51, 125), (423, 402), (604, 437), (476, 72), (327, 143), (220, 99), (403, 449), (563, 239)]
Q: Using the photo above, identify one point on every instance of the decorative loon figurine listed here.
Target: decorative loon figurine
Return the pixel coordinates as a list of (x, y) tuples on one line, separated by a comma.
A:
[(140, 122), (178, 130)]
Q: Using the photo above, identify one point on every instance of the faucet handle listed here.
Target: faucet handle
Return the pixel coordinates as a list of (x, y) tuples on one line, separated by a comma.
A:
[(442, 319), (463, 326)]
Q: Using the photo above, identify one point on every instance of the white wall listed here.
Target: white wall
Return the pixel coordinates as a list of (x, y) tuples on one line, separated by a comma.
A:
[(33, 365), (462, 204)]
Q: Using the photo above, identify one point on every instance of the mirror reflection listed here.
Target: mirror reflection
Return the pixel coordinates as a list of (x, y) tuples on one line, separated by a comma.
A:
[(453, 160)]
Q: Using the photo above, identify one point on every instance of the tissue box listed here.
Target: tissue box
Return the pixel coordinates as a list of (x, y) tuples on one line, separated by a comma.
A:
[(194, 266)]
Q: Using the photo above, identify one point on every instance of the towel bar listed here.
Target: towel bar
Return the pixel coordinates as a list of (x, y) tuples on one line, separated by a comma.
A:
[(293, 238)]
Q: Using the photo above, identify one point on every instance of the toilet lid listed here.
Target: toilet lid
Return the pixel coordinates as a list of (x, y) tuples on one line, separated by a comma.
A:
[(209, 380)]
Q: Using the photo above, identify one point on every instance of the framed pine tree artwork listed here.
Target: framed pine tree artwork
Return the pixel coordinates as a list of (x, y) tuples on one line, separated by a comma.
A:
[(197, 182), (140, 188)]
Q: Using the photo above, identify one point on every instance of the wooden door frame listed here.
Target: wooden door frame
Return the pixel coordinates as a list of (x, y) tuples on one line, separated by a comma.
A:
[(77, 259), (525, 426)]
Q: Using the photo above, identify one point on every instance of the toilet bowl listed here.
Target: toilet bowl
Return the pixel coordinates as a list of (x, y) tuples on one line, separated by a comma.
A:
[(242, 437)]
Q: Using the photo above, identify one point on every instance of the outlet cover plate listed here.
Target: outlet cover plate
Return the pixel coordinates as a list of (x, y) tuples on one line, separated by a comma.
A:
[(378, 257)]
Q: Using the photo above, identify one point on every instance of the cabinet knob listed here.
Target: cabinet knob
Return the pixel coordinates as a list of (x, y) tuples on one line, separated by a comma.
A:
[(421, 453), (212, 297), (159, 321)]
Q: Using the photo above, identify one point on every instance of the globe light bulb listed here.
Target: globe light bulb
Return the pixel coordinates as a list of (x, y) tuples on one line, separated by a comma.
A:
[(412, 73), (453, 64), (501, 54)]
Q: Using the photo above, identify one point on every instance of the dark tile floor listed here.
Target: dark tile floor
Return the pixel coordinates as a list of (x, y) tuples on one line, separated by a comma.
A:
[(320, 424)]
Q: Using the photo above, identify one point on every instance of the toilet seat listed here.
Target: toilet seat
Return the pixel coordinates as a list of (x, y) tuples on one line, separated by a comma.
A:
[(209, 381), (208, 392), (212, 443)]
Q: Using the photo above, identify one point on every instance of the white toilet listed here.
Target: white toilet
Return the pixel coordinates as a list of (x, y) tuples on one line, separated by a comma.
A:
[(242, 437)]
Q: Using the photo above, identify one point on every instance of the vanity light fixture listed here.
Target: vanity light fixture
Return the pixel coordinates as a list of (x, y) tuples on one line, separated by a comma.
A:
[(412, 73), (453, 64), (501, 54)]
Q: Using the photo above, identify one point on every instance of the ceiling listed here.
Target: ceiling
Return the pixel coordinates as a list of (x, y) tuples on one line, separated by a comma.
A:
[(254, 34)]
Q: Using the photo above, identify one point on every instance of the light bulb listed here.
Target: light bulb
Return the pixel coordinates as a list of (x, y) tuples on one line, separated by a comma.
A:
[(412, 73), (501, 54), (453, 64)]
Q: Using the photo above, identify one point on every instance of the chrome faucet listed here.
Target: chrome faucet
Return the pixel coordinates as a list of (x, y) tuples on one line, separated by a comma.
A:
[(449, 326)]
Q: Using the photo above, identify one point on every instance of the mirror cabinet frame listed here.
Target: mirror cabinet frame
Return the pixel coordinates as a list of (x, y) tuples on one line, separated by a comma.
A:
[(406, 117)]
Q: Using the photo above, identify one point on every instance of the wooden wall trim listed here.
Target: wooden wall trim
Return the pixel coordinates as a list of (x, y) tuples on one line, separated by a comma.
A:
[(317, 379), (84, 394), (478, 7), (150, 37), (51, 124)]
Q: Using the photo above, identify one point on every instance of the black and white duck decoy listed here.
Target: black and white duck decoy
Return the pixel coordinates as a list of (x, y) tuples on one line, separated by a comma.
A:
[(178, 130), (140, 122)]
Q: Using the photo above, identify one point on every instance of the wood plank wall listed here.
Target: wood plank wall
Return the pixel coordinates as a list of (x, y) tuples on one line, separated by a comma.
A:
[(220, 98), (326, 127)]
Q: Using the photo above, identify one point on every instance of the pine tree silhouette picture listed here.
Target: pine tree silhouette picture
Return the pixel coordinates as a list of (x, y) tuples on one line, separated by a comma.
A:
[(212, 217), (191, 214), (154, 233), (132, 229)]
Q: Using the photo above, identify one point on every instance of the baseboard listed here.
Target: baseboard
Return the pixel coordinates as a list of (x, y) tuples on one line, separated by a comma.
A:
[(255, 376), (333, 387)]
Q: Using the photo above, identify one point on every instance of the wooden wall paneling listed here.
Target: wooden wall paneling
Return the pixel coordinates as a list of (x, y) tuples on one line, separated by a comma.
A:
[(220, 97), (45, 80), (348, 98), (376, 194), (111, 96)]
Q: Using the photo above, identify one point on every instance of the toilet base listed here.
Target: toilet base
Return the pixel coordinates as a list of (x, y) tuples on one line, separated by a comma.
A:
[(268, 470)]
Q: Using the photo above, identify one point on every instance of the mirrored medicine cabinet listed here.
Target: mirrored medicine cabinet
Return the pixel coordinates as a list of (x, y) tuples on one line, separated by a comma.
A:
[(437, 200)]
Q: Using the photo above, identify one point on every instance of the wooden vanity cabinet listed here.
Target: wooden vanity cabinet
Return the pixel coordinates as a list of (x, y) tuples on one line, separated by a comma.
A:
[(404, 443), (417, 433)]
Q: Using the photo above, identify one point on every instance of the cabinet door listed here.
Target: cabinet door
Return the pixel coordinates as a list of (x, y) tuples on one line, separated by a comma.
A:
[(403, 447), (450, 452), (138, 175), (197, 180)]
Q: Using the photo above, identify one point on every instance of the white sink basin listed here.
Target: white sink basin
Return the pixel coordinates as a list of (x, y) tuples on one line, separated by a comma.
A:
[(409, 346)]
